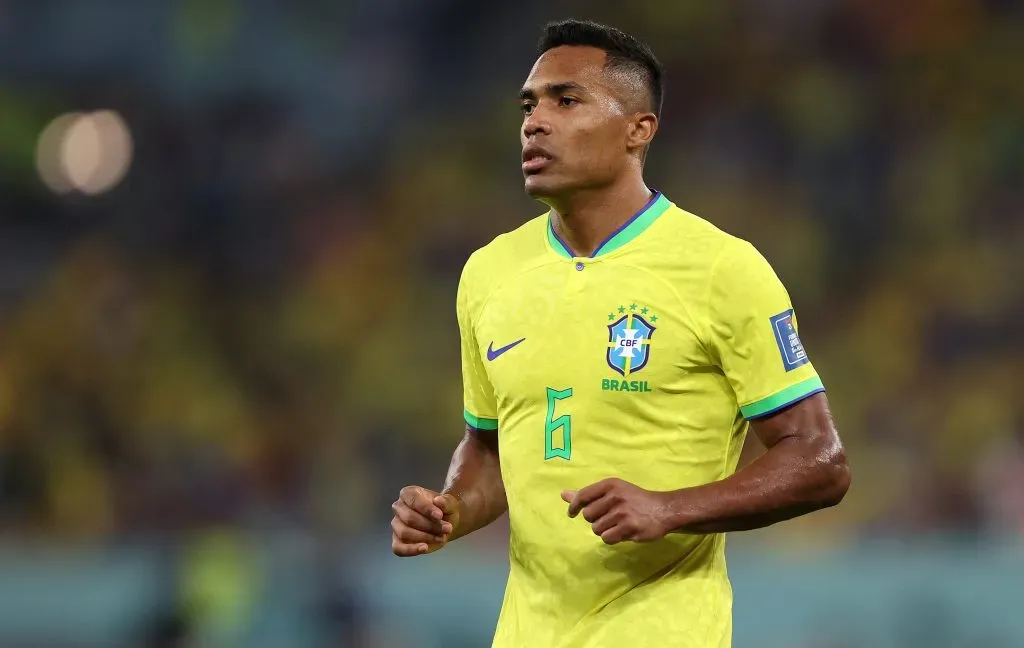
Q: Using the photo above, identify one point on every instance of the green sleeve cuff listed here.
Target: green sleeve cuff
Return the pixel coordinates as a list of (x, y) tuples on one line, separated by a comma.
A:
[(480, 423), (783, 399)]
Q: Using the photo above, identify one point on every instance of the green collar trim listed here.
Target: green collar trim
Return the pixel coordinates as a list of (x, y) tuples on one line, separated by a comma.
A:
[(631, 229)]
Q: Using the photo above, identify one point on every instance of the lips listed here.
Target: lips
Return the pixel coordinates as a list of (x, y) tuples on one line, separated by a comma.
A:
[(535, 158)]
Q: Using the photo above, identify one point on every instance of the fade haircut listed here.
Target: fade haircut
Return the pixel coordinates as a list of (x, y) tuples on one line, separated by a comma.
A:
[(625, 54)]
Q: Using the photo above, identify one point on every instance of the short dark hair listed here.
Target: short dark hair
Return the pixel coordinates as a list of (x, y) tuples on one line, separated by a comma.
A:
[(624, 52)]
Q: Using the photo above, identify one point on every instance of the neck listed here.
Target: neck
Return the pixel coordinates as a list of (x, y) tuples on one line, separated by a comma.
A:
[(585, 219)]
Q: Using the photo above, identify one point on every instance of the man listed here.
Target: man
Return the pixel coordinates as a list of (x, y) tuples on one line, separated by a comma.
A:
[(615, 351)]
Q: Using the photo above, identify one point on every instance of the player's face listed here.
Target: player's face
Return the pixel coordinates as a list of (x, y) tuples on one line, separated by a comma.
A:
[(575, 123)]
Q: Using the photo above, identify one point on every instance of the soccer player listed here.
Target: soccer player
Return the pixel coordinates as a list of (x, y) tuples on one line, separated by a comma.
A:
[(615, 352)]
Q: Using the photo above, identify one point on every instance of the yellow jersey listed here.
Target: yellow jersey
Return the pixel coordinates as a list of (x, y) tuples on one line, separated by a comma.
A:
[(643, 362)]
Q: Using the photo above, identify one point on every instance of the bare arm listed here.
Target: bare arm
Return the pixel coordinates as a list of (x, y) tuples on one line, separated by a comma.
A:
[(473, 497), (803, 470), (474, 479)]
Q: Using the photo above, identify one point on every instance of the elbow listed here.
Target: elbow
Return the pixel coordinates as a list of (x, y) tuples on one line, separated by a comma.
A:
[(833, 479)]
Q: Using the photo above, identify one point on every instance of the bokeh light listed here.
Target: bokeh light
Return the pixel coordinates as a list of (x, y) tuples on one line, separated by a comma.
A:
[(48, 161), (88, 152)]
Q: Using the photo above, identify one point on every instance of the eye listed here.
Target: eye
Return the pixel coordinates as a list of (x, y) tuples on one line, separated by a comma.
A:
[(566, 101), (527, 108)]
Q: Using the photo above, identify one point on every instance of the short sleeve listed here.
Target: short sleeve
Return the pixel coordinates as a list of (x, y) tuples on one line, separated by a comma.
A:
[(753, 334), (480, 407)]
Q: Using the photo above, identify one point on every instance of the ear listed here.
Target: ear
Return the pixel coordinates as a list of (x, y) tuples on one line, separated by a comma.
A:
[(641, 130)]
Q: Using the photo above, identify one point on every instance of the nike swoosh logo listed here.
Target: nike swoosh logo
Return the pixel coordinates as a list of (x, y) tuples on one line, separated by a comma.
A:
[(493, 353)]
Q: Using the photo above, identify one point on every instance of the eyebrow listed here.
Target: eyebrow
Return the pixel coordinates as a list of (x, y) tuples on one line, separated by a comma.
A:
[(551, 89)]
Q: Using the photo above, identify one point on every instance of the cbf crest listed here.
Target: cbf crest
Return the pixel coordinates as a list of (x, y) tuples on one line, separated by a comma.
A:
[(629, 338)]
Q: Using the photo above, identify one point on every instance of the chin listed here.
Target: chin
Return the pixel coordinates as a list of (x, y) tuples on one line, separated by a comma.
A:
[(539, 187)]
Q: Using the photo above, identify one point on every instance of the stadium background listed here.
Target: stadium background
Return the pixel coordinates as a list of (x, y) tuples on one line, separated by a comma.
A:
[(227, 330)]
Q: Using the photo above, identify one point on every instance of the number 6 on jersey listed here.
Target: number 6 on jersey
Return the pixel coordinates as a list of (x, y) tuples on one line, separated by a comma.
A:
[(552, 424)]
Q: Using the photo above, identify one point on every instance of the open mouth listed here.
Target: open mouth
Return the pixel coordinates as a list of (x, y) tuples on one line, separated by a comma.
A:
[(535, 159)]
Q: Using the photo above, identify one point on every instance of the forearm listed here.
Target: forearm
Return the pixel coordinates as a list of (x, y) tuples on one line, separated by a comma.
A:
[(791, 479), (474, 477)]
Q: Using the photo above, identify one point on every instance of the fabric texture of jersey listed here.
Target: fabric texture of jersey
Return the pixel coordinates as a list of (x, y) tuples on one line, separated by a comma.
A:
[(643, 362)]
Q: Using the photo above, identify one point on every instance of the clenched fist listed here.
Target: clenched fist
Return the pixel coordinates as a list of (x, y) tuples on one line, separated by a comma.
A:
[(618, 511), (424, 521)]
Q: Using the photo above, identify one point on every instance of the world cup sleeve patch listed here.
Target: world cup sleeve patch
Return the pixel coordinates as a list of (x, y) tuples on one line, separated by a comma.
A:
[(792, 350)]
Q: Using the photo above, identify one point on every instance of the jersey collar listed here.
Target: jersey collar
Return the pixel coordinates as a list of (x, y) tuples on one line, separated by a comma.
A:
[(632, 228)]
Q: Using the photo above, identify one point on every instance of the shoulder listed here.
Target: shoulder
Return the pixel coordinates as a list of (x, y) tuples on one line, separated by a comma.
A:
[(714, 270), (511, 248), (700, 238), (506, 255), (699, 251)]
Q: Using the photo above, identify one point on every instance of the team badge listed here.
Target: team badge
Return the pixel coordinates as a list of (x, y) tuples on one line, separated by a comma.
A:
[(629, 338), (792, 350)]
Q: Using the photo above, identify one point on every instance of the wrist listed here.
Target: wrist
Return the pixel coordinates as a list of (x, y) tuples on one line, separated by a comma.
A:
[(679, 514), (457, 495), (461, 518)]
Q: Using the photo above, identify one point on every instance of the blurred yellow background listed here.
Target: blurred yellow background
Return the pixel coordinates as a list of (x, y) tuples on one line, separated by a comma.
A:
[(230, 236)]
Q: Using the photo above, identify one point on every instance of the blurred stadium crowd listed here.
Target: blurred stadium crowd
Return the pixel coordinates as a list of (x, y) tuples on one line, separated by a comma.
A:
[(256, 330)]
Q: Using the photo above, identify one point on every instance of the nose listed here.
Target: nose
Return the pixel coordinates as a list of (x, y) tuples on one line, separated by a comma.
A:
[(536, 124)]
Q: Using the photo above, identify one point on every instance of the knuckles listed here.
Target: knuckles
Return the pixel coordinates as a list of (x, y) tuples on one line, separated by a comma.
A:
[(413, 494), (627, 516), (399, 531)]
